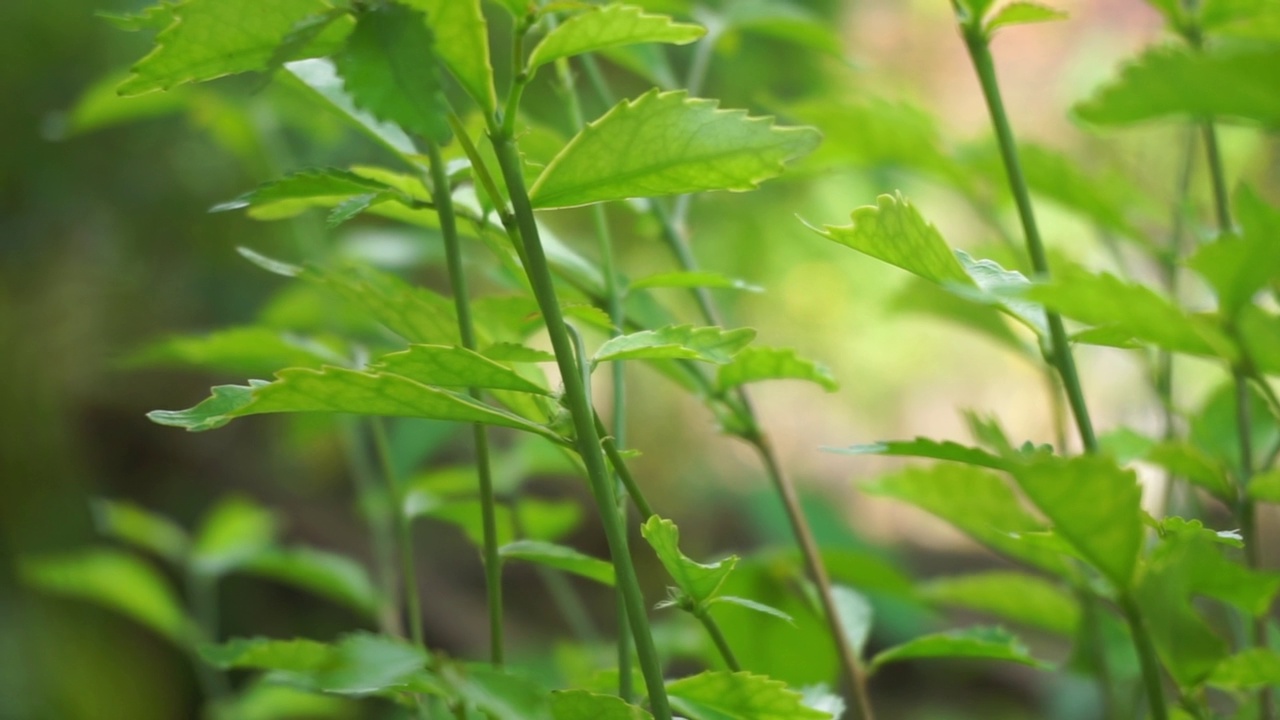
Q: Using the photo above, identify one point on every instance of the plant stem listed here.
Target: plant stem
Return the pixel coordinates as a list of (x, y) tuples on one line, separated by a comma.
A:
[(583, 417), (404, 534), (374, 506), (466, 329), (202, 594), (1146, 656), (717, 637)]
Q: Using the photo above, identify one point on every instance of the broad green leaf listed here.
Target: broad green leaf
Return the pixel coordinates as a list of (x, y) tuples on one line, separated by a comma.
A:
[(708, 344), (583, 705), (515, 353), (1125, 444), (247, 350), (415, 313), (212, 38), (1220, 81), (464, 45), (319, 78), (453, 366), (1265, 487), (1012, 596), (609, 26), (985, 643), (751, 605), (927, 448), (1239, 266), (755, 364), (978, 503), (1095, 505), (337, 390), (232, 534), (1251, 668), (668, 144), (295, 656), (1213, 426), (893, 231), (100, 106), (389, 68), (857, 617), (560, 558), (358, 664), (498, 693), (115, 580), (142, 529), (1021, 13), (699, 582), (1190, 462), (518, 8), (327, 574), (691, 279), (719, 695), (315, 184)]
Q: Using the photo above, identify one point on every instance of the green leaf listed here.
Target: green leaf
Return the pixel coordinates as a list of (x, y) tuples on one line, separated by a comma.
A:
[(142, 529), (783, 20), (329, 575), (560, 558), (719, 695), (924, 298), (1188, 461), (498, 693), (755, 364), (856, 617), (583, 705), (1022, 13), (157, 17), (1237, 267), (337, 390), (1002, 288), (358, 664), (1012, 596), (1259, 333), (452, 366), (1265, 487), (691, 279), (314, 184), (609, 26), (264, 701), (213, 38), (464, 46), (115, 580), (752, 605), (987, 643), (233, 533), (295, 656), (415, 313), (699, 582), (668, 144), (1095, 505), (248, 350), (708, 344), (100, 106), (1251, 668), (1193, 557), (1219, 80), (927, 448), (319, 78)]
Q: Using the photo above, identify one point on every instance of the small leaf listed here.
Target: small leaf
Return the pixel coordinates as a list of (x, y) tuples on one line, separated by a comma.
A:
[(668, 144), (697, 581), (497, 693), (358, 664), (350, 208), (719, 695), (856, 617), (233, 533), (388, 66), (1012, 596), (1002, 288), (708, 344), (609, 26), (977, 643), (248, 350), (752, 605), (755, 364), (560, 558), (691, 279), (1022, 13), (1256, 667), (333, 576), (142, 529), (927, 448), (464, 47), (453, 367), (311, 184)]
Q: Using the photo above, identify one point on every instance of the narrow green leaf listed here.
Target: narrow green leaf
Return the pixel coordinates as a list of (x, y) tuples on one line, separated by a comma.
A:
[(1251, 668), (857, 617), (323, 184), (232, 534), (668, 144), (453, 366), (609, 26), (298, 655), (1022, 13), (708, 344), (755, 364), (142, 529), (212, 38), (115, 580), (1012, 596), (464, 46), (358, 664), (248, 350), (1095, 505), (329, 575), (719, 695), (927, 448), (752, 605), (389, 67), (986, 643), (583, 705), (560, 558), (691, 279), (699, 582)]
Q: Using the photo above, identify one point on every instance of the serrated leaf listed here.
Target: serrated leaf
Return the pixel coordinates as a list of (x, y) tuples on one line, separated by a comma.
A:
[(755, 364), (249, 350), (1000, 287), (699, 582), (560, 557), (141, 528), (609, 26), (415, 313), (358, 664), (327, 574), (708, 344), (986, 643), (668, 144), (691, 279), (1217, 81), (752, 605), (319, 78), (389, 67), (1238, 266), (1012, 596), (1251, 668), (115, 580), (464, 45), (453, 366), (927, 448), (583, 705), (1022, 13), (213, 38), (1094, 504), (337, 390), (718, 695), (233, 532)]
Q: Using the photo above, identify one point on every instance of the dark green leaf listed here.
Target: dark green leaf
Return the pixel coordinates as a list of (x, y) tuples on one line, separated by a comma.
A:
[(755, 364), (560, 558), (1012, 596), (973, 643), (708, 344), (699, 582), (738, 696)]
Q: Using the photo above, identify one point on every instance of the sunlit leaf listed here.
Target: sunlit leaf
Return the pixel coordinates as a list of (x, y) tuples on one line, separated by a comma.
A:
[(156, 17), (755, 364), (708, 344), (668, 144), (142, 529), (1021, 13), (329, 575), (1012, 596), (415, 313), (698, 581), (610, 26), (319, 78), (583, 705), (560, 558), (232, 534), (515, 353), (980, 643), (719, 695)]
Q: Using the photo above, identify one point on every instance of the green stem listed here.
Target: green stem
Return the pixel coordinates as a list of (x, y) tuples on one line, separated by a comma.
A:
[(1221, 201), (404, 534), (583, 418), (466, 329), (202, 594), (1146, 656), (374, 507), (717, 637)]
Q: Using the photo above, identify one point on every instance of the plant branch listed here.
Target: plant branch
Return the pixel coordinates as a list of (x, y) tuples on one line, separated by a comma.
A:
[(717, 637)]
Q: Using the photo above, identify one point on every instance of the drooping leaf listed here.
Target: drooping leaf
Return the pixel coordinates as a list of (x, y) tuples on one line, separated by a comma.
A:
[(115, 580), (560, 557), (1021, 13), (1251, 668), (357, 664), (751, 605), (327, 574), (583, 705), (719, 695), (927, 448), (668, 144), (708, 344), (453, 366), (232, 534), (754, 364), (212, 38), (464, 45), (612, 25), (691, 279), (987, 643), (247, 350), (142, 529), (699, 582), (1012, 596)]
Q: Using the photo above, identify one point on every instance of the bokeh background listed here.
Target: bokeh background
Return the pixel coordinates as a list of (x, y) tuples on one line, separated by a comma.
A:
[(106, 245)]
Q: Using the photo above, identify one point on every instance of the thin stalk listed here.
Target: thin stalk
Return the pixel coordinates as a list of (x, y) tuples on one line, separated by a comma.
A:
[(1221, 201), (374, 506), (1146, 656), (583, 418), (717, 637), (202, 594), (466, 329), (404, 534)]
